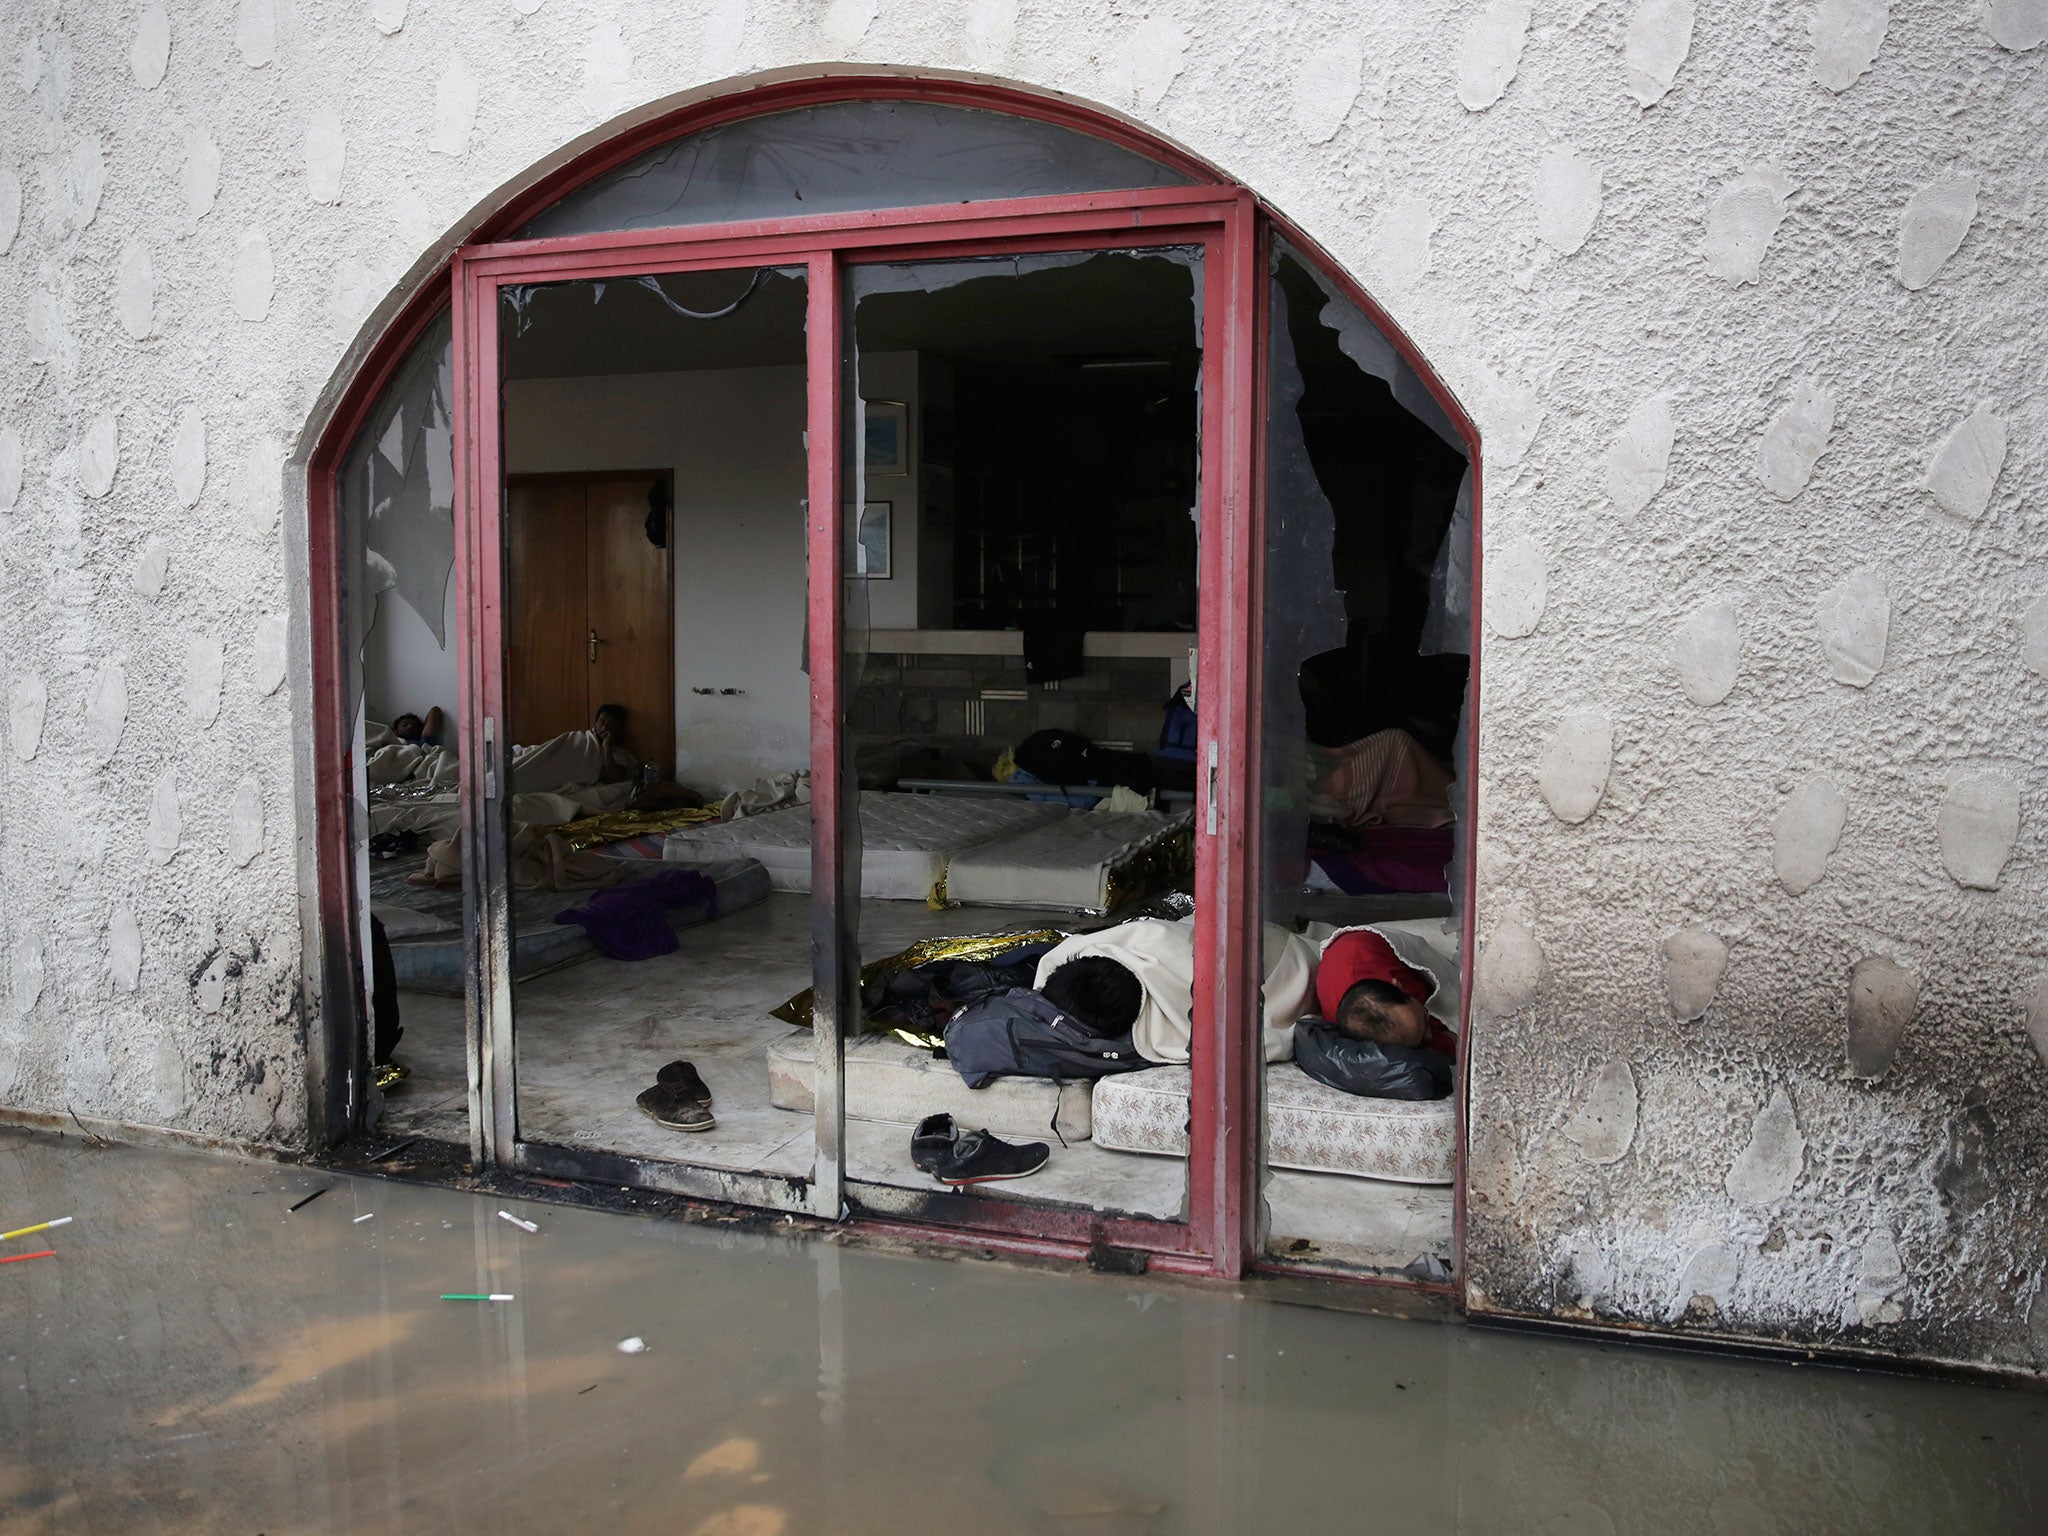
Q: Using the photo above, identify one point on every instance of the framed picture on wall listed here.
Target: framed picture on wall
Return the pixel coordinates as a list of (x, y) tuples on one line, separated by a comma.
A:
[(888, 437), (867, 552)]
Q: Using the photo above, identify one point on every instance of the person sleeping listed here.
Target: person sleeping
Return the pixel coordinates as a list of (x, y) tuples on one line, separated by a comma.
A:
[(596, 756), (1374, 1036), (417, 732), (1117, 999)]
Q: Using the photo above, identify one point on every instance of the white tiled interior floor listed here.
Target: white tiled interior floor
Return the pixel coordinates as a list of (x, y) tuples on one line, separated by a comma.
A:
[(592, 1035)]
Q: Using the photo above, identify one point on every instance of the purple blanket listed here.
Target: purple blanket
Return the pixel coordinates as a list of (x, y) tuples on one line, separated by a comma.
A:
[(630, 922)]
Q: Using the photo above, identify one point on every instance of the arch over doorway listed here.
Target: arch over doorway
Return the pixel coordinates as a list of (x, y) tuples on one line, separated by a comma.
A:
[(1180, 202)]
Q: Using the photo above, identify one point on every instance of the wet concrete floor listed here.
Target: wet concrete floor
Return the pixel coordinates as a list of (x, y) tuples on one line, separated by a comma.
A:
[(201, 1358)]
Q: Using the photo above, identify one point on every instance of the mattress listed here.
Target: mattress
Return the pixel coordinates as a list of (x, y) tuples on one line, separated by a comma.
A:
[(899, 1084), (424, 924), (1088, 861), (1309, 1126), (907, 841)]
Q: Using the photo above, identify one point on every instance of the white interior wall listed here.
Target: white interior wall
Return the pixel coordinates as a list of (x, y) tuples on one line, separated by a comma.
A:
[(405, 669), (734, 438)]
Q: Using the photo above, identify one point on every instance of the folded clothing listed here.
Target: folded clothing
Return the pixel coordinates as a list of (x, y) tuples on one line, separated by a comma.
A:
[(629, 922)]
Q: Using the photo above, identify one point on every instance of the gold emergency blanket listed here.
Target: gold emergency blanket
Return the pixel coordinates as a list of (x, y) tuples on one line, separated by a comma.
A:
[(617, 826), (1167, 863), (975, 946)]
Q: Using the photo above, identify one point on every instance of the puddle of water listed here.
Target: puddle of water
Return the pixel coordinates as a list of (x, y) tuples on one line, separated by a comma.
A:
[(199, 1358)]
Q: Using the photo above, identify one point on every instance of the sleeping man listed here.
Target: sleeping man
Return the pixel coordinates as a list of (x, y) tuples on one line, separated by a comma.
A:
[(415, 732), (1375, 1036), (1117, 999)]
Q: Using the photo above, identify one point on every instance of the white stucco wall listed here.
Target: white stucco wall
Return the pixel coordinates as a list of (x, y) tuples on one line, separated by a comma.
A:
[(1751, 333)]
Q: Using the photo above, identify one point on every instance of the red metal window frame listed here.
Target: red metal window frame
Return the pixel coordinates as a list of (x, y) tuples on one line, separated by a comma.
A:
[(1222, 1235)]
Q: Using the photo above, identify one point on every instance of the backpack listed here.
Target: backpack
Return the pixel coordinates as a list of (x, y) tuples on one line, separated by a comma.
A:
[(1017, 1033), (1177, 731)]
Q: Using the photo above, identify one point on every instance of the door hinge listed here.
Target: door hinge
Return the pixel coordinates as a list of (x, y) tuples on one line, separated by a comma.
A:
[(1210, 790)]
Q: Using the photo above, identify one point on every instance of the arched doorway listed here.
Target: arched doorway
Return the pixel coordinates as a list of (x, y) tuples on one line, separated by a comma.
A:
[(843, 432)]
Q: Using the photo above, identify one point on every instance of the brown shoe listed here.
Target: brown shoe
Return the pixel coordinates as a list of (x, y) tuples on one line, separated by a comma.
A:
[(673, 1108), (682, 1077)]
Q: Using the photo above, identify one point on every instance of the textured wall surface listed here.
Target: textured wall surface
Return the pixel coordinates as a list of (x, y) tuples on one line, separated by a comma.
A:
[(1746, 302)]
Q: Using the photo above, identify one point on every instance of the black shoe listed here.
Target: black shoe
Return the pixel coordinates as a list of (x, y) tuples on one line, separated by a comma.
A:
[(673, 1108), (682, 1077), (979, 1157), (932, 1142)]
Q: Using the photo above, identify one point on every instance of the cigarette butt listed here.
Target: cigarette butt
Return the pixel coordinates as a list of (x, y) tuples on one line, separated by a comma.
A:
[(41, 1226), (23, 1258), (362, 1218), (524, 1226)]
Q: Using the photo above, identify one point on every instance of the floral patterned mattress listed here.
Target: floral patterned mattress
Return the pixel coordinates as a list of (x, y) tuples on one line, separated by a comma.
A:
[(1311, 1127)]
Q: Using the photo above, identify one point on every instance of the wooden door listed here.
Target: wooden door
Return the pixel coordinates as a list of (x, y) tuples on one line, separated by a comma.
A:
[(631, 607), (590, 610), (547, 683)]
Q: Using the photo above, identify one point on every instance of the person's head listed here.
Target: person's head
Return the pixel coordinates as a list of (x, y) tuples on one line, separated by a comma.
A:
[(408, 728), (1382, 1012), (610, 723), (1096, 992)]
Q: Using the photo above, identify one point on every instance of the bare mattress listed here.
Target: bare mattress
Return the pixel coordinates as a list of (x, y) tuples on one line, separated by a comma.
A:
[(1089, 861), (1022, 853), (907, 841)]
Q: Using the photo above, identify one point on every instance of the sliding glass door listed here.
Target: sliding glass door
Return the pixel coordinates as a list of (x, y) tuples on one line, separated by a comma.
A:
[(846, 612)]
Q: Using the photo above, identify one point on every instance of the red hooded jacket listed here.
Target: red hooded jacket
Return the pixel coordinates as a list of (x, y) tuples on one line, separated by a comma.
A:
[(1363, 955)]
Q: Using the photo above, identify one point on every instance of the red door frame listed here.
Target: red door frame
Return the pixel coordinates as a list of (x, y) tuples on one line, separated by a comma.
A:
[(1222, 1235), (1218, 220)]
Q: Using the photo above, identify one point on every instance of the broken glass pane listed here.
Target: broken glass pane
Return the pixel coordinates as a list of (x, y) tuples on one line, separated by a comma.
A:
[(1367, 530), (842, 157), (398, 509)]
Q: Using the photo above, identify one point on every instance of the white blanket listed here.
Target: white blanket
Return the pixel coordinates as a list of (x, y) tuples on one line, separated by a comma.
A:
[(415, 788)]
